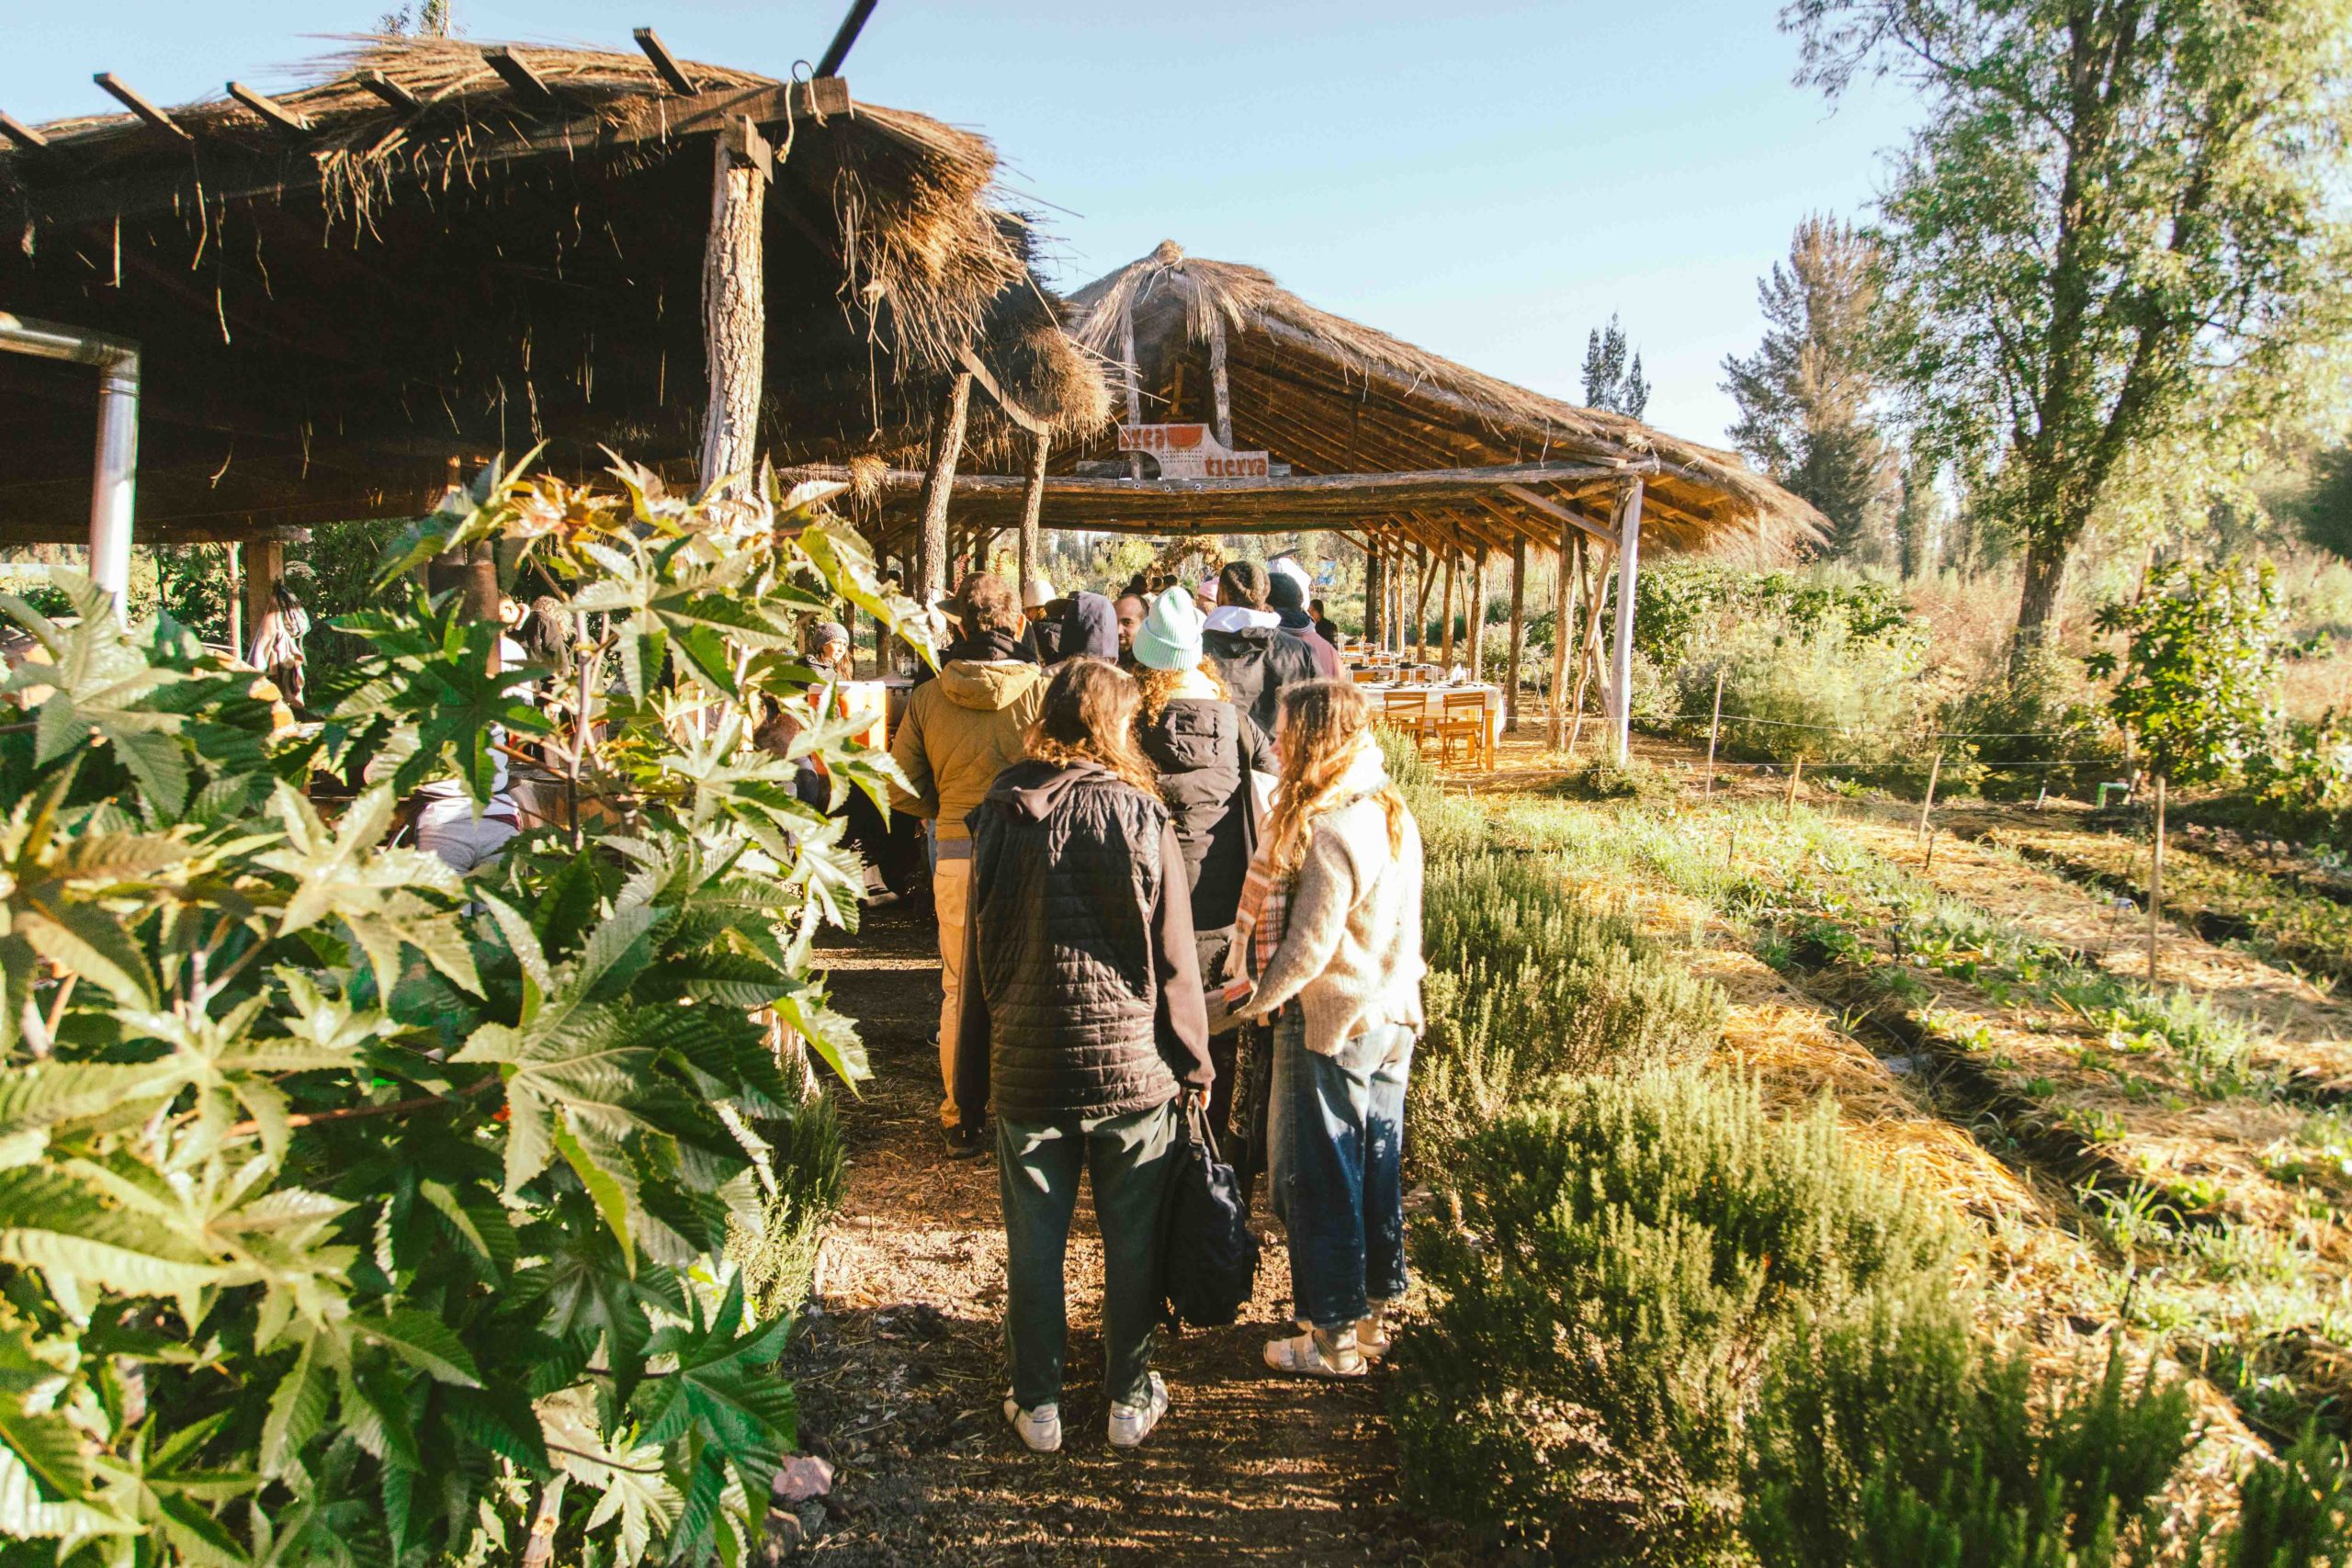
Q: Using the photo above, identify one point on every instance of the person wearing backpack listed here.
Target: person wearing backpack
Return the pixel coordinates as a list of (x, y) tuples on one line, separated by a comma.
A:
[(1330, 927), (1084, 996), (1255, 657), (1205, 749)]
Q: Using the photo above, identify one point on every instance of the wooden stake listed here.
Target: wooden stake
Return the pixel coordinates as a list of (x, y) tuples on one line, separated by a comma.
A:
[(1518, 628), (1033, 504), (1929, 865), (946, 448), (1789, 807), (2156, 881), (1928, 805), (734, 318), (1714, 730)]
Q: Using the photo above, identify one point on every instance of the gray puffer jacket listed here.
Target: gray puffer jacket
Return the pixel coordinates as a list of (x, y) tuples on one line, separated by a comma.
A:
[(1083, 991)]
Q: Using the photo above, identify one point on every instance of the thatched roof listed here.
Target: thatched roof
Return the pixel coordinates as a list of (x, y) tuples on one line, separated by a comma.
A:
[(1330, 396), (443, 260)]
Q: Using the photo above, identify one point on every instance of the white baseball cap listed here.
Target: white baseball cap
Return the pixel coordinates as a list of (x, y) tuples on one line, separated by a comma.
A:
[(1036, 593)]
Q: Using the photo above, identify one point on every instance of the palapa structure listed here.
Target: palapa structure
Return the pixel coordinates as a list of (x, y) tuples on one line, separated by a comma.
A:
[(444, 249), (1418, 460)]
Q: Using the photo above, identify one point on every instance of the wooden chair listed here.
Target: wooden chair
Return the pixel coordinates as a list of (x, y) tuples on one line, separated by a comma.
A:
[(1464, 719), (1408, 713), (1363, 677)]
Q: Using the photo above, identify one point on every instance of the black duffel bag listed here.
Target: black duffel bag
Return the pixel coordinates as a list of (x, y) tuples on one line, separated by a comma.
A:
[(1208, 1255)]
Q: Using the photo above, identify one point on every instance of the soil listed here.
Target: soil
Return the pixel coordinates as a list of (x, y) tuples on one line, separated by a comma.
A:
[(900, 1365)]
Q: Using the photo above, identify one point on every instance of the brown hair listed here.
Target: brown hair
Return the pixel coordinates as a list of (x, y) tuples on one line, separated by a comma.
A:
[(1324, 723), (1242, 582), (986, 603), (1087, 717), (1156, 686)]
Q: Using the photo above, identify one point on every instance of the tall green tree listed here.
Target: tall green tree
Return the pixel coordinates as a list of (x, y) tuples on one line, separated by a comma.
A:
[(2118, 232), (1805, 395), (1613, 373)]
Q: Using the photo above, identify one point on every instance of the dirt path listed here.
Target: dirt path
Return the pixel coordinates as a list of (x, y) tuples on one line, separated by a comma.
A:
[(900, 1370)]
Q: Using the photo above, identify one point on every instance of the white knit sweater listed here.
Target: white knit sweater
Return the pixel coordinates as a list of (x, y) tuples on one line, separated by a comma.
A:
[(1352, 955)]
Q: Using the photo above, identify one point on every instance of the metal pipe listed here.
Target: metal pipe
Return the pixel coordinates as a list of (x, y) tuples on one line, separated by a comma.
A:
[(112, 490), (838, 50)]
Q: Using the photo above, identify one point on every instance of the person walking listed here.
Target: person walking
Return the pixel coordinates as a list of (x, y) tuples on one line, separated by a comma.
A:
[(1255, 658), (960, 731), (1085, 1001), (1330, 924), (1205, 749)]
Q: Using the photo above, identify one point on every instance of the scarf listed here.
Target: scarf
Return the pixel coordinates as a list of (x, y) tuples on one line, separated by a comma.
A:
[(1262, 918)]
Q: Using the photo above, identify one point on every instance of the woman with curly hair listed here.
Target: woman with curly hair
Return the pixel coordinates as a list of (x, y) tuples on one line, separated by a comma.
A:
[(1331, 926), (1083, 1000)]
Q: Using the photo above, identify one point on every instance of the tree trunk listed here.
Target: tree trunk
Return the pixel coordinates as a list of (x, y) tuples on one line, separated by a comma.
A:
[(1375, 591), (734, 319), (2045, 575), (1422, 605), (1518, 628), (939, 482), (1445, 609), (1562, 613), (1033, 504), (1477, 607)]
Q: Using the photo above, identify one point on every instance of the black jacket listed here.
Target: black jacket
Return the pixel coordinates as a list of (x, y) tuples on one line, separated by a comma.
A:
[(1205, 749), (1082, 988), (1256, 665)]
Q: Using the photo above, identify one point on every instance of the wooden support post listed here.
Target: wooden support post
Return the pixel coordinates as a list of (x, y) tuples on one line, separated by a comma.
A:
[(1479, 613), (1518, 628), (1796, 775), (237, 641), (1563, 622), (1033, 504), (264, 564), (1421, 605), (1928, 805), (1445, 609), (1375, 591), (1218, 386), (947, 422), (1715, 732), (1134, 375), (734, 313), (1621, 663)]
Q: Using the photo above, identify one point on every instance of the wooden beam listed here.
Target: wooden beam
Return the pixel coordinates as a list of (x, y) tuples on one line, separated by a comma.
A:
[(1012, 411), (1556, 512), (393, 94), (665, 64), (844, 37), (741, 141), (122, 94), (271, 110), (23, 135), (519, 78)]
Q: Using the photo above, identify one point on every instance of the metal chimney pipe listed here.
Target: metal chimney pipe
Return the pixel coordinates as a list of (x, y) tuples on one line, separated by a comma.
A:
[(111, 493)]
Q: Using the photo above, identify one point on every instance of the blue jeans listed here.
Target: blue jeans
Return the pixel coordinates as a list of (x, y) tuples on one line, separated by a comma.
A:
[(1132, 1158), (1336, 1160)]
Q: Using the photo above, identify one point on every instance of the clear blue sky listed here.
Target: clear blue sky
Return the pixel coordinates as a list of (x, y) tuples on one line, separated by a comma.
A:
[(1487, 179)]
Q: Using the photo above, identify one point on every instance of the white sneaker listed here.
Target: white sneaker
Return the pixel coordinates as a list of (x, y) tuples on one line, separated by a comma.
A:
[(1130, 1425), (1372, 1337), (1040, 1428)]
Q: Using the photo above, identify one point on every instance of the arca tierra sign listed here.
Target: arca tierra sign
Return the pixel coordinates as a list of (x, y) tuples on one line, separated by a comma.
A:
[(1190, 452)]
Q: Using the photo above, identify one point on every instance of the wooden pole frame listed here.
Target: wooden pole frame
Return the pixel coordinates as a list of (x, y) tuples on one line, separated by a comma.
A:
[(1031, 504), (1477, 607), (1445, 608), (1620, 671), (1517, 629), (946, 450), (1563, 619), (734, 308)]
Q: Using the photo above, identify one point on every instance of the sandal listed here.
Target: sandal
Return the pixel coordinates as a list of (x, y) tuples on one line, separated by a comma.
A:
[(1309, 1355)]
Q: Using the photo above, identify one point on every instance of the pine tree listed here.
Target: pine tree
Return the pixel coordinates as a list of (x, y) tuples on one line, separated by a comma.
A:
[(1610, 382), (1805, 394)]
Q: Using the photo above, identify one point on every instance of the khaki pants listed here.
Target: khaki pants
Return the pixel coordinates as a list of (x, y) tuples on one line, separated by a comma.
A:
[(951, 894)]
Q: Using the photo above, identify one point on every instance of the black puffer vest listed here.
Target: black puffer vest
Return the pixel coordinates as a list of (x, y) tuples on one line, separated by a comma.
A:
[(1066, 879), (1204, 749)]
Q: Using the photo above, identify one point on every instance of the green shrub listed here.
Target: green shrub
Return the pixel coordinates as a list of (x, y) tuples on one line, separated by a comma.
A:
[(1890, 1439), (1643, 783), (2296, 1511), (1826, 695), (2029, 719), (779, 1258), (1527, 982), (1450, 825), (1630, 1251)]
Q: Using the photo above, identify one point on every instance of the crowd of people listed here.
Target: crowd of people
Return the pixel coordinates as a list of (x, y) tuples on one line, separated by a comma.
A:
[(1173, 884)]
